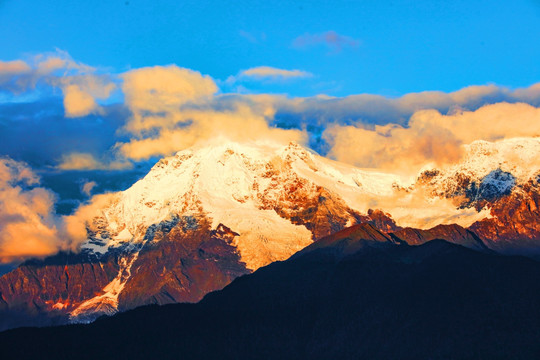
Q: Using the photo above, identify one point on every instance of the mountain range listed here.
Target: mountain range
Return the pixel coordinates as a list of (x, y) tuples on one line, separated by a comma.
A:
[(208, 215)]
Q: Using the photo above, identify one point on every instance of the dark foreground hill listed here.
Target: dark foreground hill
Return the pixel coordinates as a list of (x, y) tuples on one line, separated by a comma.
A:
[(355, 295)]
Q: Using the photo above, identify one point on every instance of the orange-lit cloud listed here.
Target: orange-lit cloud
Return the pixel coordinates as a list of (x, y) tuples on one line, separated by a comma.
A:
[(159, 88), (174, 108), (77, 102), (75, 225), (241, 123), (29, 226), (153, 92), (27, 221), (13, 75), (419, 209), (10, 68), (87, 187), (81, 92), (85, 161), (79, 82), (48, 63), (430, 137), (372, 109)]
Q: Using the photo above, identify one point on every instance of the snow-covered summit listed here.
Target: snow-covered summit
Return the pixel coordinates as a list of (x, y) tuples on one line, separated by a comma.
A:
[(493, 168), (240, 186)]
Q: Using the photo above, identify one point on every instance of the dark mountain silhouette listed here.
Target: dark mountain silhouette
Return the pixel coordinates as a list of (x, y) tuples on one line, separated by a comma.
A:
[(355, 295)]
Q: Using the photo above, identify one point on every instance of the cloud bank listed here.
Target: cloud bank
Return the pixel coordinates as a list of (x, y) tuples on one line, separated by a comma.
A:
[(430, 137), (164, 109), (174, 108)]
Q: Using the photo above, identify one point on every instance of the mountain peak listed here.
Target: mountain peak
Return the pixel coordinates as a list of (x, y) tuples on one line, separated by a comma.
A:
[(265, 192)]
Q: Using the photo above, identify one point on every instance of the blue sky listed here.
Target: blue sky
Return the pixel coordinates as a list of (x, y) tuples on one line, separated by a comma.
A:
[(399, 46)]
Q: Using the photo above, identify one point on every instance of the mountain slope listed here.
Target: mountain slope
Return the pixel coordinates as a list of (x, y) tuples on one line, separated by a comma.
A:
[(451, 233), (436, 300)]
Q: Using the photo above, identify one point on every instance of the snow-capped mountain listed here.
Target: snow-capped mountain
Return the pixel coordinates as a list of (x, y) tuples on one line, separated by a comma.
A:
[(264, 192), (275, 199), (209, 214), (487, 171)]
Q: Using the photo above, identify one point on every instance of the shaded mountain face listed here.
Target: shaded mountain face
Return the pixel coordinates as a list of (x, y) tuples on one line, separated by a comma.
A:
[(183, 266), (355, 295), (205, 216), (515, 225)]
